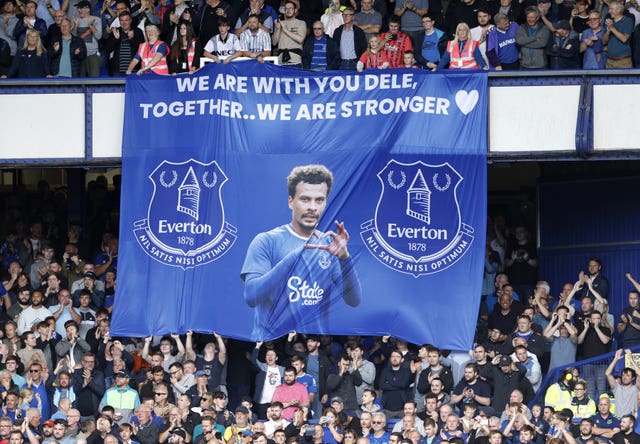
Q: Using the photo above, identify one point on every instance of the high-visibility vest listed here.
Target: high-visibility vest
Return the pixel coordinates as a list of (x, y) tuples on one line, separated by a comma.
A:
[(147, 53), (464, 60)]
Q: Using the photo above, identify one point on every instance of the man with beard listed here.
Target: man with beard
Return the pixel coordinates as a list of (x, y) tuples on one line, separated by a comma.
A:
[(471, 389), (291, 394)]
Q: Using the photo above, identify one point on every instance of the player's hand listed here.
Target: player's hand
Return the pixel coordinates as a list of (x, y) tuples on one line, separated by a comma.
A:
[(338, 245)]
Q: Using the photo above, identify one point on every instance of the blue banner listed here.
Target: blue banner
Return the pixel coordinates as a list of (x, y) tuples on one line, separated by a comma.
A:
[(259, 200)]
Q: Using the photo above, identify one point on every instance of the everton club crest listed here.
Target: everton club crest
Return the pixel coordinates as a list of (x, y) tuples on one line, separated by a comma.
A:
[(417, 227), (185, 226)]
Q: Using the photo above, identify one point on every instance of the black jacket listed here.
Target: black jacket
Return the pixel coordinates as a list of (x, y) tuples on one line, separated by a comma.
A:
[(112, 44), (76, 59), (360, 43)]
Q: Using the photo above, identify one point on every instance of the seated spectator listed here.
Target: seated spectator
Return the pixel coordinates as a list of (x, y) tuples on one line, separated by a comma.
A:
[(581, 405), (626, 433), (605, 424)]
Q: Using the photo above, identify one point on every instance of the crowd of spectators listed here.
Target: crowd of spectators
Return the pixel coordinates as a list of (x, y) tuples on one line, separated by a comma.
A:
[(71, 38), (64, 379)]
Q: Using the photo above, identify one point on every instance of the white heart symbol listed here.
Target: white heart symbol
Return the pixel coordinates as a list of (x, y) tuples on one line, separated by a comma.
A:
[(466, 101)]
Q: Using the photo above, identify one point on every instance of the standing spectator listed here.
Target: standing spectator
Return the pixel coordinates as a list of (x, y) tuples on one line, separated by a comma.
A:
[(289, 36), (479, 34), (410, 13), (595, 56), (267, 380), (67, 53), (321, 52), (395, 42), (373, 57), (365, 367), (368, 19), (88, 385), (563, 337), (431, 44), (625, 391), (343, 384), (291, 394), (351, 40), (521, 256), (29, 21), (617, 37), (226, 45), (31, 61), (36, 312), (502, 51), (595, 280), (532, 38), (629, 324), (462, 52), (332, 19), (395, 380), (121, 397), (595, 339), (122, 43), (184, 55), (172, 20), (152, 54), (89, 29), (8, 21), (208, 19)]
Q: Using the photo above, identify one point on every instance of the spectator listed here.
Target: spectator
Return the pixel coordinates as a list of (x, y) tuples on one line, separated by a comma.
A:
[(373, 57), (173, 17), (395, 380), (625, 391), (27, 22), (122, 43), (582, 405), (617, 38), (225, 45), (262, 12), (532, 38), (431, 45), (351, 40), (563, 337), (368, 19), (89, 29), (410, 13), (605, 424), (289, 36), (31, 61), (321, 52), (502, 51), (184, 55), (67, 52), (291, 394), (596, 340), (332, 19), (152, 54), (395, 42)]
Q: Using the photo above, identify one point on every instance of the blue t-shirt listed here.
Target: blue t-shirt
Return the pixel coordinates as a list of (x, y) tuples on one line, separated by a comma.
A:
[(301, 287)]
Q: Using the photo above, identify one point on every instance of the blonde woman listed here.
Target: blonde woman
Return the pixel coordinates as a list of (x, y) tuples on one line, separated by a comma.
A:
[(31, 61), (374, 56), (463, 52)]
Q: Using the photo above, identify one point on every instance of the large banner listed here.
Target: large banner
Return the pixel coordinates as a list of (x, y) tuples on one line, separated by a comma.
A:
[(259, 200)]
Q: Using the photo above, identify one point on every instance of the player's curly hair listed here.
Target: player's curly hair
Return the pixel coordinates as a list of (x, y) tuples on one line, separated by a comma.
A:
[(313, 174)]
